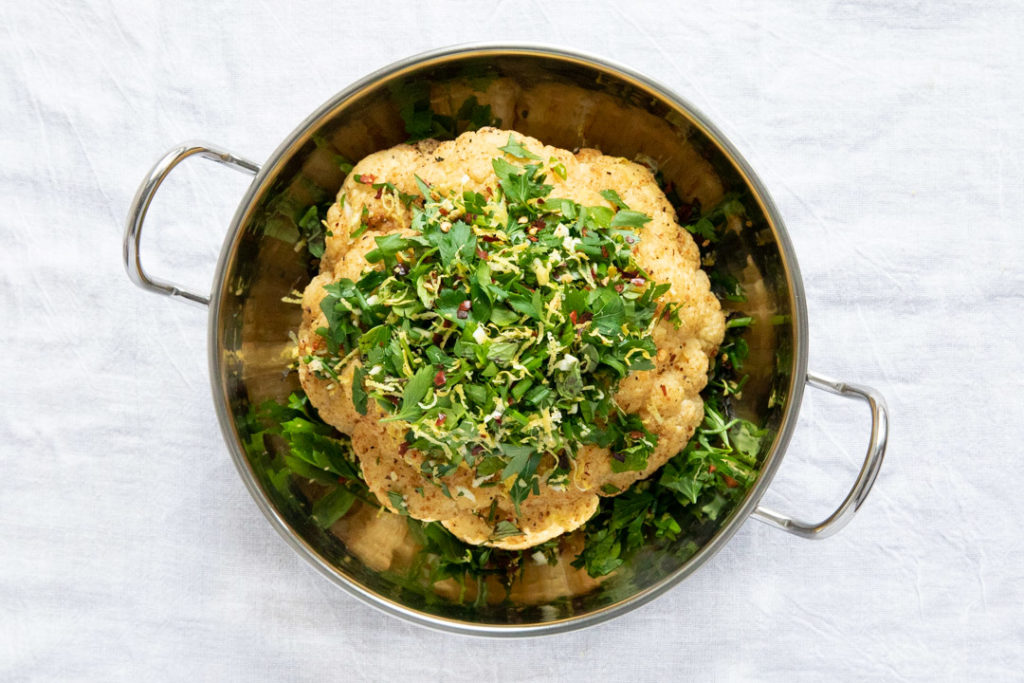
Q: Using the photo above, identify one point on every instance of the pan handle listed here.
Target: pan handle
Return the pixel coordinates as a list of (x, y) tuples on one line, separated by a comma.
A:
[(868, 472), (144, 197)]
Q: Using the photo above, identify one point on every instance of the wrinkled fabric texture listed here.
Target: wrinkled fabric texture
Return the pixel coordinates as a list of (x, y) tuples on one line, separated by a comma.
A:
[(888, 133)]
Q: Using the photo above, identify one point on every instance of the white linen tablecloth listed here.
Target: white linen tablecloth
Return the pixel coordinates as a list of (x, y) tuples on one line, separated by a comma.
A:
[(890, 135)]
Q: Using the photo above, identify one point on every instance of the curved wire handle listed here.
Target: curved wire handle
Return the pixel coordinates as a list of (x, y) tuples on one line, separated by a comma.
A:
[(144, 197), (865, 479)]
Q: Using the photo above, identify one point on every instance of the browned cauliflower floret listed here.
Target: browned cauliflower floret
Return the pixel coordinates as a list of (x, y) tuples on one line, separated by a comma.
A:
[(667, 398)]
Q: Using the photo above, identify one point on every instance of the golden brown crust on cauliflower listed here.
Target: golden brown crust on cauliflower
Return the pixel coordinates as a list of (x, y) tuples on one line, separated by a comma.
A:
[(667, 398)]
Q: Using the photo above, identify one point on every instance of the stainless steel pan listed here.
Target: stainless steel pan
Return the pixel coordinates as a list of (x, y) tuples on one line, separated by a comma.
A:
[(565, 99)]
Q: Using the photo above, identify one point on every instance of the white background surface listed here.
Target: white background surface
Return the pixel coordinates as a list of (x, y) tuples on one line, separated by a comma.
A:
[(890, 135)]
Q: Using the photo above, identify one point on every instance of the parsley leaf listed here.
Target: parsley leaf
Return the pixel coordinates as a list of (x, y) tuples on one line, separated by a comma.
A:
[(520, 187), (558, 168), (631, 219), (312, 230), (613, 197), (359, 394), (516, 149), (504, 529), (397, 501), (609, 310), (475, 114), (387, 247), (332, 507), (415, 390)]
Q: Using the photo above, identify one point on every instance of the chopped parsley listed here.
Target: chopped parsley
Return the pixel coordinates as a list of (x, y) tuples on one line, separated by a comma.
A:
[(703, 482), (500, 329), (311, 228), (421, 121)]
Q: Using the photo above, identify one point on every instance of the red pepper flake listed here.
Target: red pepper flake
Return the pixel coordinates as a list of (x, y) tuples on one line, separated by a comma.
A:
[(664, 391), (481, 253), (366, 179), (437, 338), (584, 232), (538, 223), (380, 190), (604, 251), (711, 469), (540, 201), (469, 218), (441, 418), (730, 482), (638, 282), (440, 378), (443, 211), (635, 434), (446, 324), (489, 238), (572, 317), (532, 238), (403, 447), (488, 191)]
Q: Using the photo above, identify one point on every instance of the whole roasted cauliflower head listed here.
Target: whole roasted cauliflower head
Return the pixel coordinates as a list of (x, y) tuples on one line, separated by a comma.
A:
[(507, 331)]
